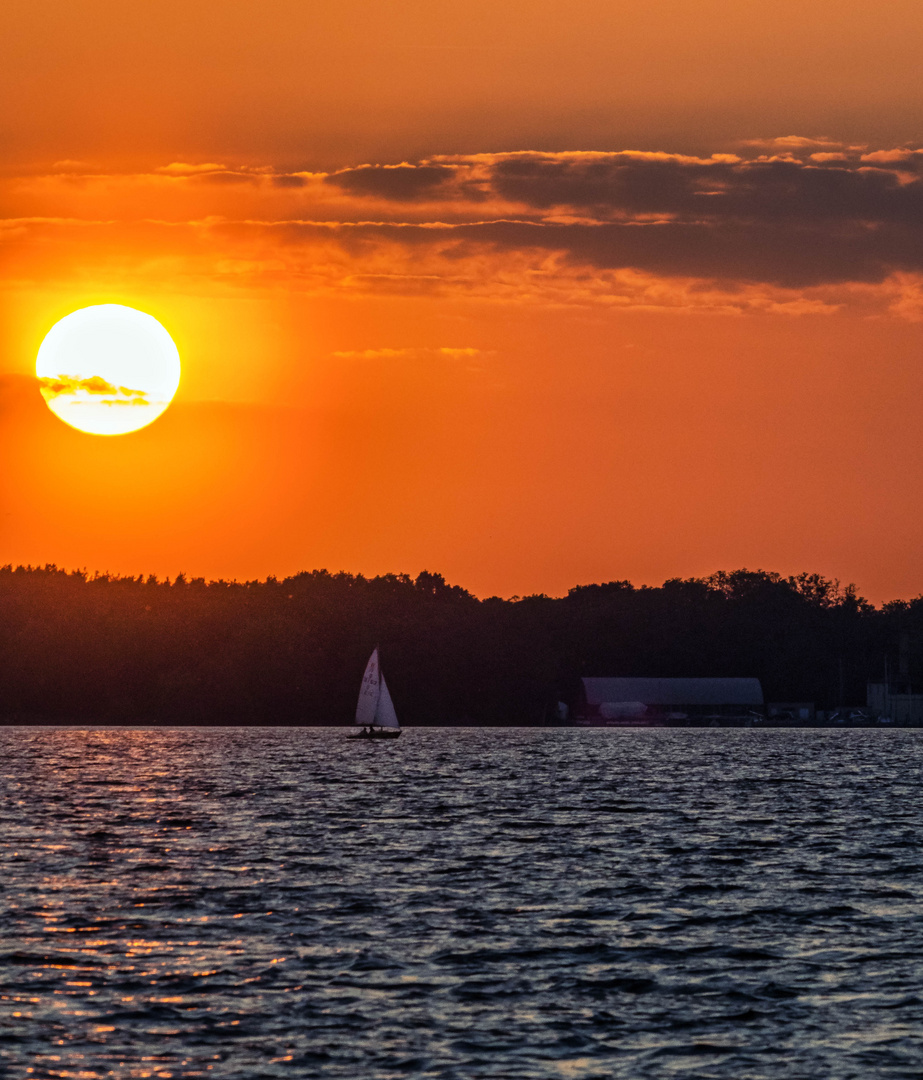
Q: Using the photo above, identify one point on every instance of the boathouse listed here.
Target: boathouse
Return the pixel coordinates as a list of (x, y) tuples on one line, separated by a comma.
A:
[(618, 702)]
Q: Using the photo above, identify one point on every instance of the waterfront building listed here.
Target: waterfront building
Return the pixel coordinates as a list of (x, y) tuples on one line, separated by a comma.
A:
[(646, 702)]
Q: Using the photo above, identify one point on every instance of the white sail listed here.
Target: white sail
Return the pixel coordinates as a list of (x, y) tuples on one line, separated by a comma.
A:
[(369, 693), (385, 716)]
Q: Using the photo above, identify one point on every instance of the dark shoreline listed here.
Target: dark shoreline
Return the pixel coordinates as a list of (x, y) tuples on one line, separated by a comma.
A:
[(140, 651)]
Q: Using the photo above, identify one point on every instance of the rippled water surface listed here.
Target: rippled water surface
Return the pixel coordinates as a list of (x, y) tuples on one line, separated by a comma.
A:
[(246, 903)]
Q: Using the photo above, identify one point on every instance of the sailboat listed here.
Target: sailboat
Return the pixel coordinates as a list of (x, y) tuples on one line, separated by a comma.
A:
[(375, 710)]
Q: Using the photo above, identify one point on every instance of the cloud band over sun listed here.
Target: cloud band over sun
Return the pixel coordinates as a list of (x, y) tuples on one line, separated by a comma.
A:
[(95, 388), (794, 225)]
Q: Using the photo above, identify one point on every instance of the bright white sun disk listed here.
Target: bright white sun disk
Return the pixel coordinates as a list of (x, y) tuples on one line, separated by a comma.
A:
[(108, 369)]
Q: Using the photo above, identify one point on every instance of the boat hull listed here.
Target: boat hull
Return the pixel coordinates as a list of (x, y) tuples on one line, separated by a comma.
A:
[(381, 733)]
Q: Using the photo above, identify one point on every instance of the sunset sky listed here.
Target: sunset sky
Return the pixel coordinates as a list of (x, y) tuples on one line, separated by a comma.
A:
[(531, 294)]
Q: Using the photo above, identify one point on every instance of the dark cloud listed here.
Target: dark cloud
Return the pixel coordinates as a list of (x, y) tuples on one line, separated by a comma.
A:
[(719, 191), (400, 183), (791, 255), (785, 220), (794, 257)]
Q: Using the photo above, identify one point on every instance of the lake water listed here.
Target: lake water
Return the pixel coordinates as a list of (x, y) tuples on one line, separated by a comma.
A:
[(461, 903)]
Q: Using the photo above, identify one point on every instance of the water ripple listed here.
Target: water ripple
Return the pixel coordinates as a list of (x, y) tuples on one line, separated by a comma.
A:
[(262, 903)]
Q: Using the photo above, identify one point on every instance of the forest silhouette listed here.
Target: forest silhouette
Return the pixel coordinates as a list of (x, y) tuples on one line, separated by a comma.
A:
[(79, 648)]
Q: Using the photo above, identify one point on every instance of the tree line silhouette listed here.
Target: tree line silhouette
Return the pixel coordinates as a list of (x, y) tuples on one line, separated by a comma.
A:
[(86, 648)]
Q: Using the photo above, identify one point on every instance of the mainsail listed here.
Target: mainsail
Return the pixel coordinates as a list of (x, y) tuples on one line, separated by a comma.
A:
[(369, 693), (375, 707)]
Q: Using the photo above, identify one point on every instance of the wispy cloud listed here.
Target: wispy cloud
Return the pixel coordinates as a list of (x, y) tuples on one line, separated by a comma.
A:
[(185, 168), (800, 143)]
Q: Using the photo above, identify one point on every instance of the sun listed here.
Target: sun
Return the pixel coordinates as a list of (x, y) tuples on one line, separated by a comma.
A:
[(108, 369)]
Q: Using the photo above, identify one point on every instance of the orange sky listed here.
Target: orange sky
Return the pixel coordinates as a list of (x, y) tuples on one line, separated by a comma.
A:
[(528, 294)]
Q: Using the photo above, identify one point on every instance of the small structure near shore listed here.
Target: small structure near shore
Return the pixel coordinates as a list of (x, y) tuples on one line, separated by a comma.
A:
[(653, 702), (895, 703), (796, 713)]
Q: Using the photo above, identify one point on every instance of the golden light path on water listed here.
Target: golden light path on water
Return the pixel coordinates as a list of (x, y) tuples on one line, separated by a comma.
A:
[(108, 369)]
